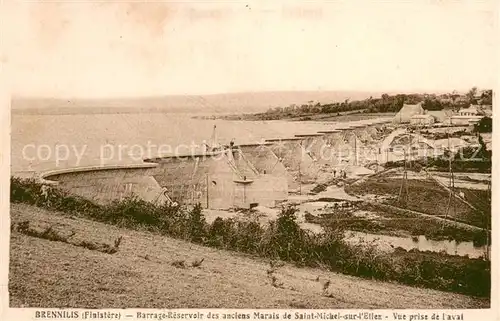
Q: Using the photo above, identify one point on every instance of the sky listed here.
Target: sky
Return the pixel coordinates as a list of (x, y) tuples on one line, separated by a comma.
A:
[(116, 48)]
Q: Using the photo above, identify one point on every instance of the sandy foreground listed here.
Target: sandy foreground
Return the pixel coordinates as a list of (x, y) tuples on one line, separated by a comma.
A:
[(47, 273)]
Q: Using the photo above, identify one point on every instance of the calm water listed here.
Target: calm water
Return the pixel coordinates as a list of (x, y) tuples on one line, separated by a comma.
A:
[(102, 134), (422, 244)]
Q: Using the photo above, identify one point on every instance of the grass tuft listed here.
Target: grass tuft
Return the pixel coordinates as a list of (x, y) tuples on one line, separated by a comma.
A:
[(181, 264), (197, 263)]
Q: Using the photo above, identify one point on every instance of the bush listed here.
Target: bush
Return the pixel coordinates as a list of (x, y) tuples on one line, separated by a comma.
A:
[(31, 192), (197, 224), (485, 125), (319, 188)]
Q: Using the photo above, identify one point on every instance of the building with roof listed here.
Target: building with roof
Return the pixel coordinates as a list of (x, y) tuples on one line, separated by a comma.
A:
[(472, 110), (406, 112), (468, 116)]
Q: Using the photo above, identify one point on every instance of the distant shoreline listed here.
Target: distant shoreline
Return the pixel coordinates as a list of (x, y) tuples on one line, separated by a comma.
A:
[(343, 116)]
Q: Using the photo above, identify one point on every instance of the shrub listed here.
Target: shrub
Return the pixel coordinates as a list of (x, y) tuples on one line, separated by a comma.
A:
[(319, 188), (485, 125), (197, 224)]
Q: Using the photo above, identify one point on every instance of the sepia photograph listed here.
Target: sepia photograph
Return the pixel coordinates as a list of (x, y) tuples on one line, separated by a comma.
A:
[(250, 155)]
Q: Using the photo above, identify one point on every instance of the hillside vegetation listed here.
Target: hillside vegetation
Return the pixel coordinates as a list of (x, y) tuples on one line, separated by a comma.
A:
[(386, 103), (282, 239), (149, 270)]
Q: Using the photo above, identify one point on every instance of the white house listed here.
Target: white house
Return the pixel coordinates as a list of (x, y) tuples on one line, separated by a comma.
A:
[(468, 116), (472, 110)]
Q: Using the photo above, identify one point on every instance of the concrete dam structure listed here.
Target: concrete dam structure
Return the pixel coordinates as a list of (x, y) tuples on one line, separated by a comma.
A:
[(263, 159), (104, 184), (267, 162), (317, 147), (221, 180), (297, 160)]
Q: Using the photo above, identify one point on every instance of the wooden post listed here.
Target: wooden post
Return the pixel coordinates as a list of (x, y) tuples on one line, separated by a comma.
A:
[(300, 161), (355, 150), (207, 191), (488, 218), (244, 194), (300, 179), (450, 182)]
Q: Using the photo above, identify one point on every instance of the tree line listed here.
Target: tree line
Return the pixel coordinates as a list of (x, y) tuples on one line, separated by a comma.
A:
[(390, 103)]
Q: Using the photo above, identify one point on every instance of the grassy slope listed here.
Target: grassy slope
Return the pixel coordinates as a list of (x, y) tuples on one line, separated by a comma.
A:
[(54, 274)]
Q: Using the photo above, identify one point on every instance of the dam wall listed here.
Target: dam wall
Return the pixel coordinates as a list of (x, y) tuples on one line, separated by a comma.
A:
[(239, 176), (221, 180), (353, 145), (268, 190), (318, 147), (362, 134), (187, 179), (104, 184), (333, 138), (372, 131), (263, 158), (274, 178), (295, 158)]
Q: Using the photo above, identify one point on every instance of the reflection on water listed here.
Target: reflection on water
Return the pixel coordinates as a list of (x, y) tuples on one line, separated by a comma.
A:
[(420, 243)]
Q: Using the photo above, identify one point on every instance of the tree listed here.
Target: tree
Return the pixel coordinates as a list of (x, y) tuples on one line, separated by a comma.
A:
[(471, 95), (197, 224), (432, 104), (454, 95), (485, 125), (487, 97)]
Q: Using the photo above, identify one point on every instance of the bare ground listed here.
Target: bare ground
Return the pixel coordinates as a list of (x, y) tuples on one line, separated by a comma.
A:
[(47, 273)]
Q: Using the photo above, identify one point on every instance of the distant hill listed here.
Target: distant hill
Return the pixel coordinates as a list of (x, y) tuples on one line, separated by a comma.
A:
[(250, 102)]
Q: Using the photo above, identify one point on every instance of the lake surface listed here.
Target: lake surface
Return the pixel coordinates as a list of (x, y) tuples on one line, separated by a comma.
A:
[(421, 243), (43, 142)]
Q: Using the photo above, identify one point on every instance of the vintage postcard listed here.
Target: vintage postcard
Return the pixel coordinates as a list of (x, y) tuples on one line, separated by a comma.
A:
[(260, 160)]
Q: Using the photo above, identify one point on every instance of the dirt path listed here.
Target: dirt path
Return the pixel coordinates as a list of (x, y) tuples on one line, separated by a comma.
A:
[(56, 274)]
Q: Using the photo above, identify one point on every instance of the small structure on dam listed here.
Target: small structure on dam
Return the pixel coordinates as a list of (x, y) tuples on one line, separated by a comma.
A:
[(220, 180), (104, 184), (266, 162)]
